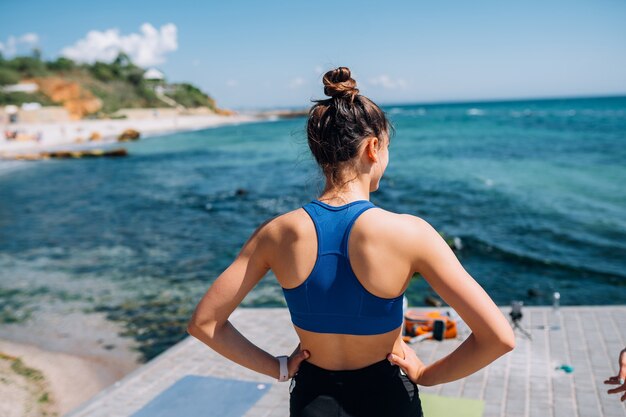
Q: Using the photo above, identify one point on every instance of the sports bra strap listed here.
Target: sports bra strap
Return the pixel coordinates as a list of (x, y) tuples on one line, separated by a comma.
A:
[(346, 236)]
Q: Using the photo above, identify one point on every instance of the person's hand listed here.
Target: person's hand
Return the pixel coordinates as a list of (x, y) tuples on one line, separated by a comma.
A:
[(412, 366), (620, 377), (295, 359)]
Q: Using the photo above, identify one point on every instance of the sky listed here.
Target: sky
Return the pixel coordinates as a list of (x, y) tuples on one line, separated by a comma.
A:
[(273, 54)]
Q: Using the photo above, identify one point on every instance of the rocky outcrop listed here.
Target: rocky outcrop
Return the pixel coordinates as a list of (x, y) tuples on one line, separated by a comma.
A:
[(76, 100), (128, 134)]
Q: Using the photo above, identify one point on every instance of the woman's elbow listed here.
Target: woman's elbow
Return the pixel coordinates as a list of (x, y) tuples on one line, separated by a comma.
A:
[(500, 342), (197, 323), (192, 328), (507, 340), (202, 330)]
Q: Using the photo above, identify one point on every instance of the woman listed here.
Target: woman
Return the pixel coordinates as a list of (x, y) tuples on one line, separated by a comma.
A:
[(344, 265)]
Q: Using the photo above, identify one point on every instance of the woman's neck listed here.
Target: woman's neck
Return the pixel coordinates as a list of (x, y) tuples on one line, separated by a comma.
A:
[(350, 192)]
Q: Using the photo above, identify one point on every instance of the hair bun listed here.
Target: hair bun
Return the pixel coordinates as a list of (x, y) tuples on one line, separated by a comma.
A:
[(338, 83)]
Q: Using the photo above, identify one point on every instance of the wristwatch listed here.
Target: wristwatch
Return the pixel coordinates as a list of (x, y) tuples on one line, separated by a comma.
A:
[(284, 371)]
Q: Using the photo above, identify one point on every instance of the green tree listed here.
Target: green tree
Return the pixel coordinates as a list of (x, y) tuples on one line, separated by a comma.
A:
[(36, 54), (103, 71), (122, 60), (134, 75), (8, 76), (61, 64), (28, 66), (19, 98), (190, 96)]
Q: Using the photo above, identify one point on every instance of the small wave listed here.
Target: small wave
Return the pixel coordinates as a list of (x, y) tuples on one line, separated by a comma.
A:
[(505, 250), (7, 167), (603, 113), (487, 181), (407, 112), (523, 113), (475, 112), (276, 204)]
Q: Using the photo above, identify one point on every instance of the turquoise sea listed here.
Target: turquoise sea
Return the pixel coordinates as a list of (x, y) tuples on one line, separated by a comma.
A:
[(535, 190)]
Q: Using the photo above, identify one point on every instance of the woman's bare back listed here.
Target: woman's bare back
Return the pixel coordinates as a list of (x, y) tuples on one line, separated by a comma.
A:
[(380, 262)]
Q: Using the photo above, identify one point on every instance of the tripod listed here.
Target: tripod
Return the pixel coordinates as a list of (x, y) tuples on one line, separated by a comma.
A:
[(516, 317)]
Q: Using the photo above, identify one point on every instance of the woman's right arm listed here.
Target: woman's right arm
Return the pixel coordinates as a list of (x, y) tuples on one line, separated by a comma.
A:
[(492, 335)]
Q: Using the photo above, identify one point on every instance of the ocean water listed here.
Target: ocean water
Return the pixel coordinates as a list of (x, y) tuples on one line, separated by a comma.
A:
[(534, 190)]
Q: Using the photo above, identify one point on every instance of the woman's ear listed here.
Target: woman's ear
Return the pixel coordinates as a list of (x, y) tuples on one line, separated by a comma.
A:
[(372, 148)]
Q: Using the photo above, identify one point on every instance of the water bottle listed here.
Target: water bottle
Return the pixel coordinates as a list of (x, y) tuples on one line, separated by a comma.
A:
[(555, 317)]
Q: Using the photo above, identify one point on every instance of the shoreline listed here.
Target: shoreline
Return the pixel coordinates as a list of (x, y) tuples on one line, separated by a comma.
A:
[(68, 380), (75, 354), (77, 134)]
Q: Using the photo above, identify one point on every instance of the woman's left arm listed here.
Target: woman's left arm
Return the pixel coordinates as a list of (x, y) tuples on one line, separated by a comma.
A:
[(209, 322)]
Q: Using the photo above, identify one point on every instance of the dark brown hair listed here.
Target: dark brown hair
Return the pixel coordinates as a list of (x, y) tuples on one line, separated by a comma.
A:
[(336, 126)]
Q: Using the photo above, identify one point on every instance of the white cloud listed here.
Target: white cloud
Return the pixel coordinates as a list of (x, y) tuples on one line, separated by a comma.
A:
[(145, 49), (296, 82), (4, 48), (31, 38), (385, 81), (232, 83), (10, 46)]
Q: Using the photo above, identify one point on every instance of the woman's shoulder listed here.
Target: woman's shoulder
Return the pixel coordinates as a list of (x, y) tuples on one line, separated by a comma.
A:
[(285, 224), (398, 226), (394, 222), (377, 221)]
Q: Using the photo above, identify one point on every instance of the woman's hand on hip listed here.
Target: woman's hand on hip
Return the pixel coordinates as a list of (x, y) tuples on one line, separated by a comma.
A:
[(412, 366), (295, 359)]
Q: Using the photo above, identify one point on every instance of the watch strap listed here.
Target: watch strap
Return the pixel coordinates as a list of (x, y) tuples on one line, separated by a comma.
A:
[(284, 370)]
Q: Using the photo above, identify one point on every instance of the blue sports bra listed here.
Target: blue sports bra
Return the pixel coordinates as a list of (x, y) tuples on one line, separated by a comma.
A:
[(331, 299)]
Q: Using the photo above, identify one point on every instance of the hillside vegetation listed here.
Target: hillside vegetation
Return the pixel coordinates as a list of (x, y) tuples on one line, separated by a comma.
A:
[(93, 90)]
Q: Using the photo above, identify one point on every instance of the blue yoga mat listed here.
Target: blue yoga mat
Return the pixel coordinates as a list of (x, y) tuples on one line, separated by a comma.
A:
[(195, 396)]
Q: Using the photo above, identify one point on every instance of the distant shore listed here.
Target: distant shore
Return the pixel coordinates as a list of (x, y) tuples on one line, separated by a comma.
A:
[(97, 133)]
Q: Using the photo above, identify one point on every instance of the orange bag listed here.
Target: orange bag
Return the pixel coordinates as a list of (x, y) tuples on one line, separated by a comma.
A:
[(417, 323)]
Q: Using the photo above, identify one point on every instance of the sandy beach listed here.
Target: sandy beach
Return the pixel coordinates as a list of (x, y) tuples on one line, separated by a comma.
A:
[(78, 133), (58, 359), (68, 380)]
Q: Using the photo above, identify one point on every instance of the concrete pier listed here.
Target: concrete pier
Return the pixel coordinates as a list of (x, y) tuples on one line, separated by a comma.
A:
[(527, 382)]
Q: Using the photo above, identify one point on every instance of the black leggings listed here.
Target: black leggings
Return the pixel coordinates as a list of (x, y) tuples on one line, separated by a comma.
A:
[(380, 389)]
